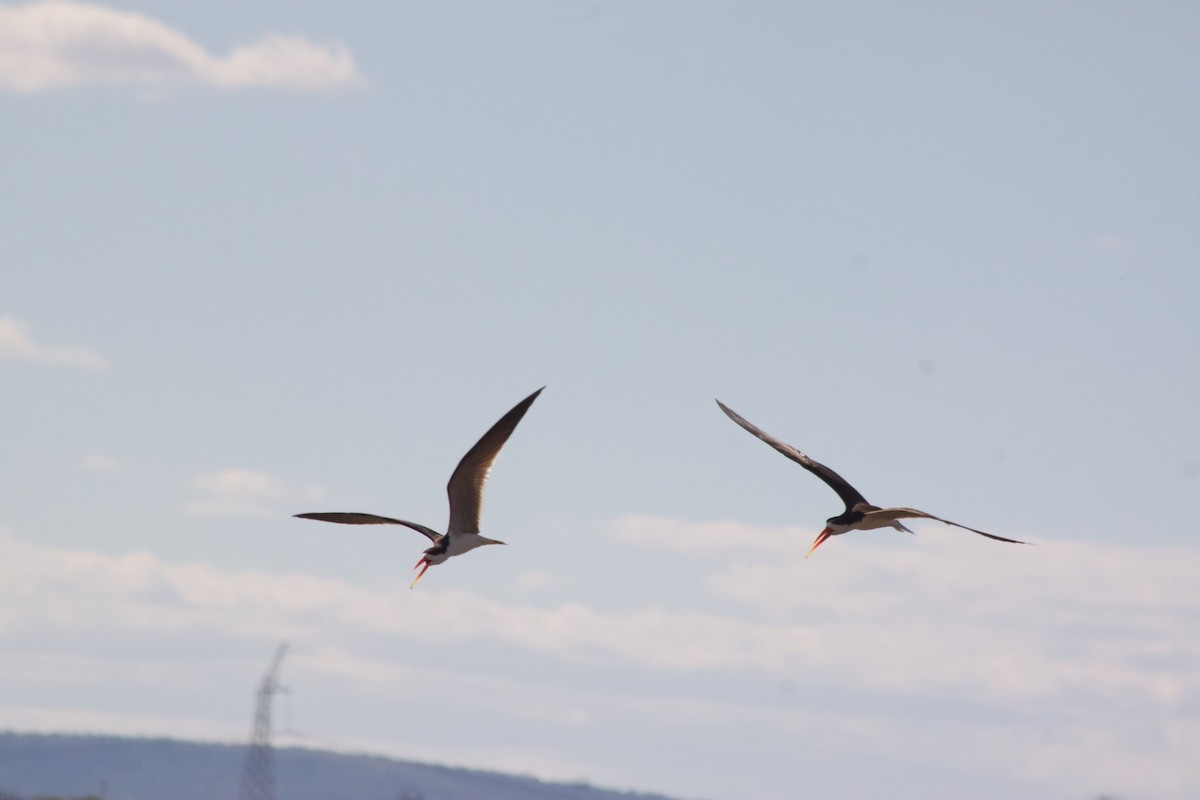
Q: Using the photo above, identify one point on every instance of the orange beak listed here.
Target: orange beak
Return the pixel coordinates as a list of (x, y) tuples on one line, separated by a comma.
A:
[(822, 536), (424, 565)]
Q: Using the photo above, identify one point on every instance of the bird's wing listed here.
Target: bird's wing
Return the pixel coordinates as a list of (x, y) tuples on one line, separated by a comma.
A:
[(848, 493), (912, 513), (466, 484), (353, 518)]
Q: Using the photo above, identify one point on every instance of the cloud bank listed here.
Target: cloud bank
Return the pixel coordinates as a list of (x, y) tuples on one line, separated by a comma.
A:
[(58, 44), (18, 344), (1068, 666), (241, 492)]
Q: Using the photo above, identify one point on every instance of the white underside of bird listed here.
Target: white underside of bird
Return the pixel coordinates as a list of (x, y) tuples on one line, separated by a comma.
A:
[(462, 543)]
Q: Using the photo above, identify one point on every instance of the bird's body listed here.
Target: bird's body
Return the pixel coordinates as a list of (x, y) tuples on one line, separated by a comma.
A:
[(859, 514), (465, 491), (456, 545)]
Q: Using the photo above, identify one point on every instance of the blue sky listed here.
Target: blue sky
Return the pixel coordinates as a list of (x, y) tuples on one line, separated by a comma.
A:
[(262, 259)]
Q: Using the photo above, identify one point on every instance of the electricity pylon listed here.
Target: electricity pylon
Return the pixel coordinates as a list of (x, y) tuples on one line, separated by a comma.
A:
[(258, 781)]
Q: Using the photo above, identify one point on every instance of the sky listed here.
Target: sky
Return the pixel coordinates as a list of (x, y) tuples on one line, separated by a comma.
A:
[(267, 258)]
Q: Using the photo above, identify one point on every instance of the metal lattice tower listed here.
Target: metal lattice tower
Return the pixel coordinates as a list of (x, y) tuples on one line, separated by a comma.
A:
[(258, 781)]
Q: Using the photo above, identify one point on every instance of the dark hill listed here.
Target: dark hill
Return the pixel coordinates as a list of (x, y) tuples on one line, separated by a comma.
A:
[(116, 768)]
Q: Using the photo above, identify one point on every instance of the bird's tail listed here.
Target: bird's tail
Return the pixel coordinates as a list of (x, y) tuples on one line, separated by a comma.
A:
[(900, 527)]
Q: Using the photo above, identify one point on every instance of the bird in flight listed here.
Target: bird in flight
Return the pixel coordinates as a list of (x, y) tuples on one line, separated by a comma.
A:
[(859, 514), (466, 497)]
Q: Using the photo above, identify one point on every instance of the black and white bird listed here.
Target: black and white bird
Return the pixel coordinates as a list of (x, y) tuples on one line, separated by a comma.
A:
[(466, 497), (859, 514)]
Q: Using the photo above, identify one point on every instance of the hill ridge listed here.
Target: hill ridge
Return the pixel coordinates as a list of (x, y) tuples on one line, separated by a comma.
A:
[(161, 768)]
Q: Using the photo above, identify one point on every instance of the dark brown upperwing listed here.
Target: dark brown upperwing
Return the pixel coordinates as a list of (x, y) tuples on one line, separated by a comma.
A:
[(465, 488), (923, 514), (848, 493), (355, 518)]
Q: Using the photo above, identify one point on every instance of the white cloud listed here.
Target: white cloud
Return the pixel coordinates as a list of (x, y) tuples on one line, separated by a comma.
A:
[(1022, 623), (57, 43), (1111, 242), (1010, 623), (17, 344), (99, 462), (533, 582), (989, 643), (240, 492)]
